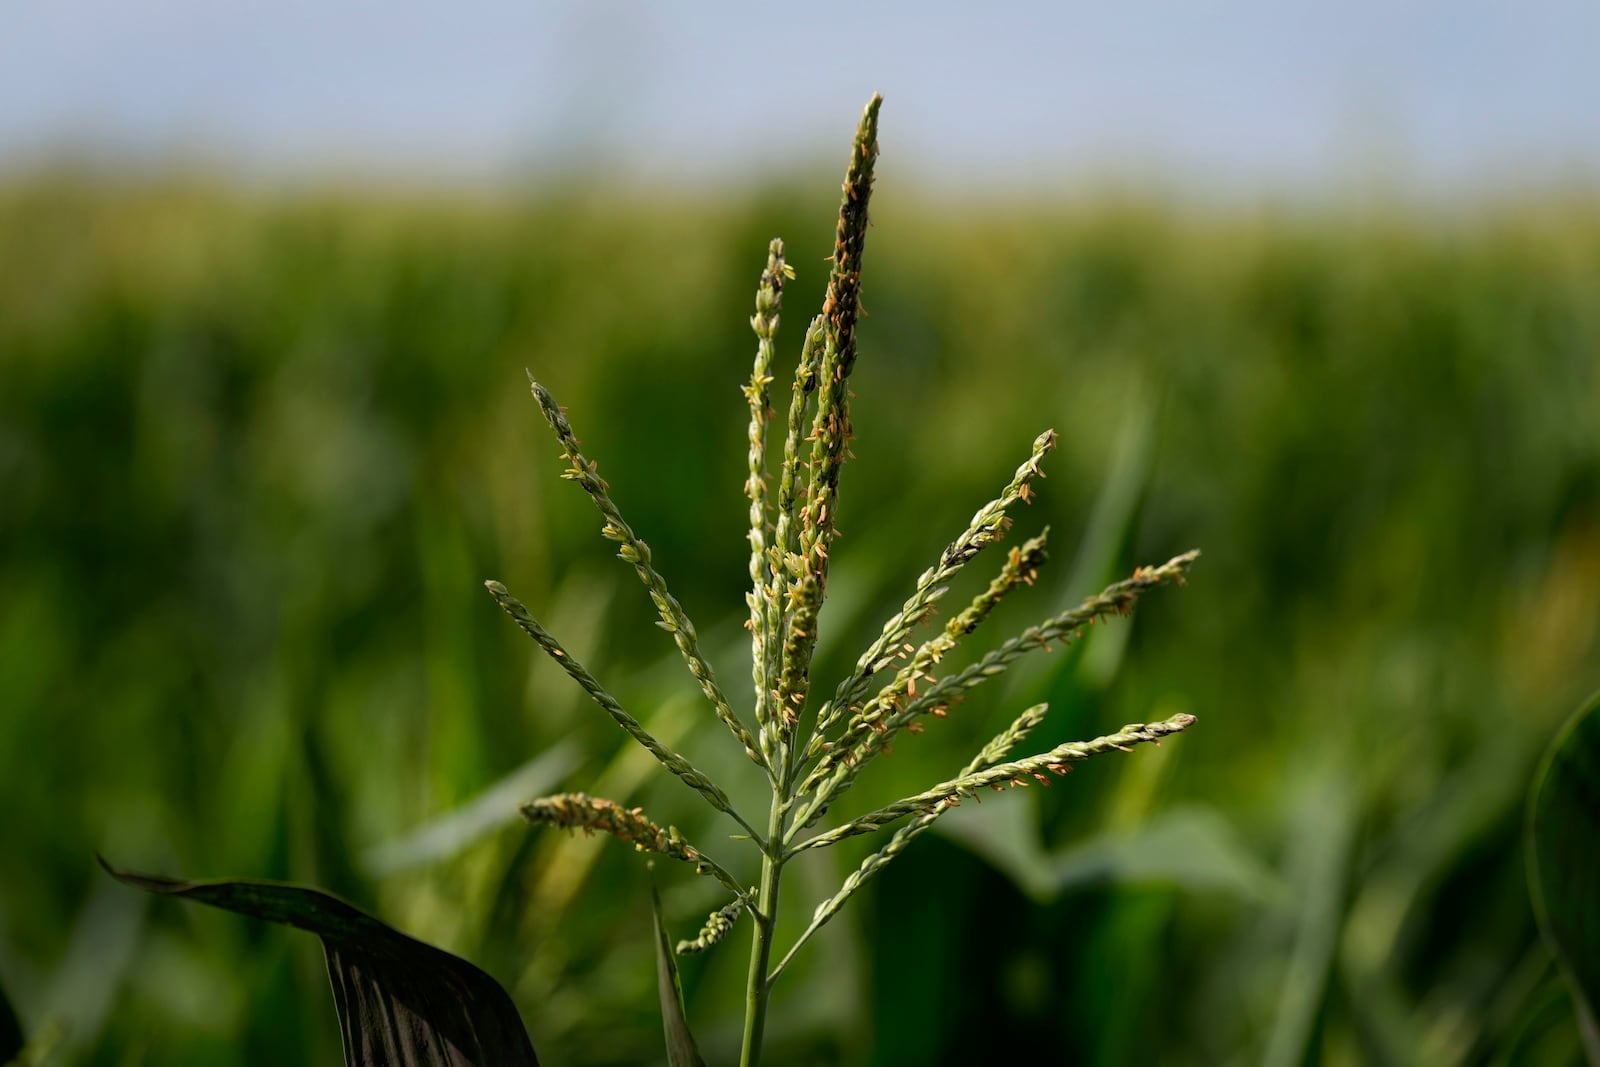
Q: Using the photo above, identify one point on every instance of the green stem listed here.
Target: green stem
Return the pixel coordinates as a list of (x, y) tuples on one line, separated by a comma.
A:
[(765, 914)]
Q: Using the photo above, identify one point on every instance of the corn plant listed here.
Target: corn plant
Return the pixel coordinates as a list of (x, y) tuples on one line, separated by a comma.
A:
[(811, 744), (400, 1000)]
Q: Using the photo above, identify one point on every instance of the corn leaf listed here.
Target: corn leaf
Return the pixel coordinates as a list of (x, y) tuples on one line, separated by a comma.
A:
[(400, 1001), (1564, 861), (681, 1050), (10, 1030)]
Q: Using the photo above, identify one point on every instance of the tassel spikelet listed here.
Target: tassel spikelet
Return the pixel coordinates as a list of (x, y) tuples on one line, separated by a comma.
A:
[(830, 428), (1016, 773), (718, 923), (580, 811)]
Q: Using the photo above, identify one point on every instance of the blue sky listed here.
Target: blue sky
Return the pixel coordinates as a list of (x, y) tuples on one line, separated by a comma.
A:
[(1230, 94)]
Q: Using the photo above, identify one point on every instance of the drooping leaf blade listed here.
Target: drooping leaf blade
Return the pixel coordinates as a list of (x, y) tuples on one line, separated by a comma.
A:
[(681, 1050), (399, 1001), (1563, 840)]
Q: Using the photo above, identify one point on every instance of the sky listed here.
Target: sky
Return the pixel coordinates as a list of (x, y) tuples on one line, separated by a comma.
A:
[(1226, 94)]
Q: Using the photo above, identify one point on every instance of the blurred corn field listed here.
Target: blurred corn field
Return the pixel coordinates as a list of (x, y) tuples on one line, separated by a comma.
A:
[(258, 452)]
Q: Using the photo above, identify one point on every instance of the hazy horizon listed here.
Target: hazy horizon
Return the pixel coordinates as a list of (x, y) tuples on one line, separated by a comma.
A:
[(1244, 96)]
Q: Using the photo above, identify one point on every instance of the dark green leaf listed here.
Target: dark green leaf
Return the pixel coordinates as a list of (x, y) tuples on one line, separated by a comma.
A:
[(399, 1001), (681, 1050), (10, 1031), (1564, 860)]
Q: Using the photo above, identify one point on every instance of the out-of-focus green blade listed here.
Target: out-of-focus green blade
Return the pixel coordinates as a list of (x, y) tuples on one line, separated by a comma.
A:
[(400, 1001), (681, 1050), (10, 1030), (1188, 848), (454, 831), (1564, 860)]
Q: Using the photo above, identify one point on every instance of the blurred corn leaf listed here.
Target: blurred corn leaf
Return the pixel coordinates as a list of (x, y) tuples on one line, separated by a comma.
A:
[(81, 991), (400, 1001), (447, 835), (681, 1050), (1316, 866), (10, 1030), (1188, 848), (1564, 861)]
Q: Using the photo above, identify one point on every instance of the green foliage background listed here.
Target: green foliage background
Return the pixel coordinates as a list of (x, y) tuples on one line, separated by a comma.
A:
[(259, 451)]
